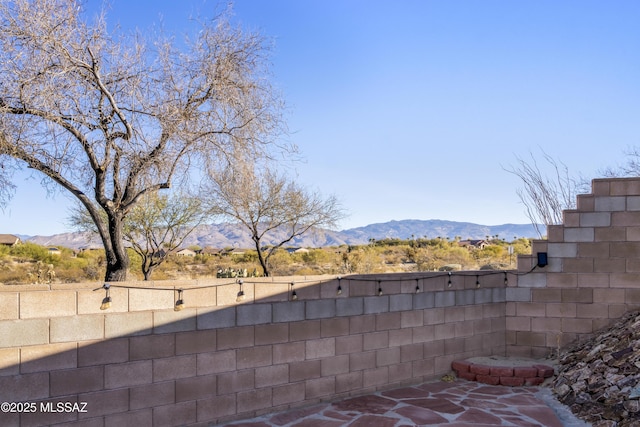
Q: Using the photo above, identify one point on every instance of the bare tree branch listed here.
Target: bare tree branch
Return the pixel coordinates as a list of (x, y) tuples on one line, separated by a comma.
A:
[(544, 196)]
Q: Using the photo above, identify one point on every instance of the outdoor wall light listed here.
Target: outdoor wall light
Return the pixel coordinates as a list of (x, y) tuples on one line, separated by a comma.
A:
[(180, 302), (240, 296), (542, 259), (106, 301)]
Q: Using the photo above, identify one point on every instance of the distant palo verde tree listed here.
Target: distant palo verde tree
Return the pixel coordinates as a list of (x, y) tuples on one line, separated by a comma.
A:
[(156, 226), (111, 118), (270, 206)]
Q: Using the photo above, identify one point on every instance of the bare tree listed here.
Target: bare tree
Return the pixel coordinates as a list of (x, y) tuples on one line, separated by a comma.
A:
[(544, 196), (271, 207), (158, 225), (630, 168), (154, 228), (111, 117)]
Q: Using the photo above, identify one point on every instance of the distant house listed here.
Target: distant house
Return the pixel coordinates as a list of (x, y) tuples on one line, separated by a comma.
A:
[(186, 252), (9, 240), (473, 244), (209, 251), (90, 247), (54, 251), (298, 250), (235, 251)]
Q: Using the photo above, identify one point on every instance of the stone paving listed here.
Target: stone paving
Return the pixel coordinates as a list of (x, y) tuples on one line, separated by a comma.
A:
[(451, 404)]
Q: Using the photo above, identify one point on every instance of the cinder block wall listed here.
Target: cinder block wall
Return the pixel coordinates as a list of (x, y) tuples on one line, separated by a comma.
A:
[(593, 275), (142, 363)]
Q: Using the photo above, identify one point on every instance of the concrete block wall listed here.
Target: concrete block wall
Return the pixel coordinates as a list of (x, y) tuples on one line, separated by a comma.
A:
[(141, 362), (592, 276)]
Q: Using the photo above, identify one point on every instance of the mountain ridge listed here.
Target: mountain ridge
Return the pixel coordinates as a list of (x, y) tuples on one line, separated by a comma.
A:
[(225, 235)]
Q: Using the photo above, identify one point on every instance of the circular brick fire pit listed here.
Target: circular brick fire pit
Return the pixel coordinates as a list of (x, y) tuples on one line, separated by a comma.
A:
[(503, 371)]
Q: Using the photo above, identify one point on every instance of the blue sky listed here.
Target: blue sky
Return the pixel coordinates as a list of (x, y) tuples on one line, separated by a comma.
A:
[(411, 109)]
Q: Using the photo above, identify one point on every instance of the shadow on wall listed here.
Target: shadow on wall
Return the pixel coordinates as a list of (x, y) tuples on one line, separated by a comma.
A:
[(235, 349)]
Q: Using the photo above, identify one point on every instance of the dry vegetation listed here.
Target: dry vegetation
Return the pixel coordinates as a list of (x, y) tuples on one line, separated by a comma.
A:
[(31, 263)]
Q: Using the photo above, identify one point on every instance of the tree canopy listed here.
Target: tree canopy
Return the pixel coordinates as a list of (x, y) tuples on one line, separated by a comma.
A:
[(111, 117)]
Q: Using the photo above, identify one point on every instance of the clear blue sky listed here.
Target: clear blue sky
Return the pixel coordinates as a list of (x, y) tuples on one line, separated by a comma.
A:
[(410, 109)]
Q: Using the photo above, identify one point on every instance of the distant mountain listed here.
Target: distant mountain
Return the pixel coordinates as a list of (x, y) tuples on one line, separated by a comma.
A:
[(231, 235), (431, 228)]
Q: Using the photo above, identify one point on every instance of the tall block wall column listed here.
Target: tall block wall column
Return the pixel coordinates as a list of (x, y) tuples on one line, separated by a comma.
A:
[(592, 276)]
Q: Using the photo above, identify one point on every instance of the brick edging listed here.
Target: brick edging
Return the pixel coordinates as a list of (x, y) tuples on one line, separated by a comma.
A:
[(512, 376)]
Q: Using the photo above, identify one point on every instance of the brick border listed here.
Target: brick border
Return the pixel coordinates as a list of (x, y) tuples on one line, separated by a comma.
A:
[(511, 376)]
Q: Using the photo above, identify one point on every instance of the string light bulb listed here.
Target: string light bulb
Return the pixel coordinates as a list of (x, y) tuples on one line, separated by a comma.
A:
[(106, 301), (241, 295), (449, 280), (379, 288), (180, 302), (506, 280), (339, 290), (294, 294), (477, 281), (417, 286)]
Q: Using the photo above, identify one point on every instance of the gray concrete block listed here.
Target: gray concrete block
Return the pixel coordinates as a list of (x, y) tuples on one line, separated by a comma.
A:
[(401, 302), (445, 299), (253, 314), (220, 318), (318, 309), (377, 304), (291, 311), (465, 297), (424, 300), (350, 306)]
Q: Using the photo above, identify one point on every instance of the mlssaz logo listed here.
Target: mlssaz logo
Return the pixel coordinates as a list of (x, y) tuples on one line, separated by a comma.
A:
[(65, 407)]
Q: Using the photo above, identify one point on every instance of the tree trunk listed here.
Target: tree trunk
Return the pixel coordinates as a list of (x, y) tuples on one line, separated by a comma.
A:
[(116, 253), (263, 261), (148, 269)]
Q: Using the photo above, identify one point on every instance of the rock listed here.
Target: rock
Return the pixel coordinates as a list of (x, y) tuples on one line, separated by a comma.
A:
[(598, 377), (635, 392)]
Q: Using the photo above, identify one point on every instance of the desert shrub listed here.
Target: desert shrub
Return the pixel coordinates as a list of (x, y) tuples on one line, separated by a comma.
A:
[(30, 251), (306, 271), (17, 274)]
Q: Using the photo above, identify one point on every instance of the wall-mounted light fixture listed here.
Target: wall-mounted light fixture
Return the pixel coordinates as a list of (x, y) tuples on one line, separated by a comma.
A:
[(542, 259)]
